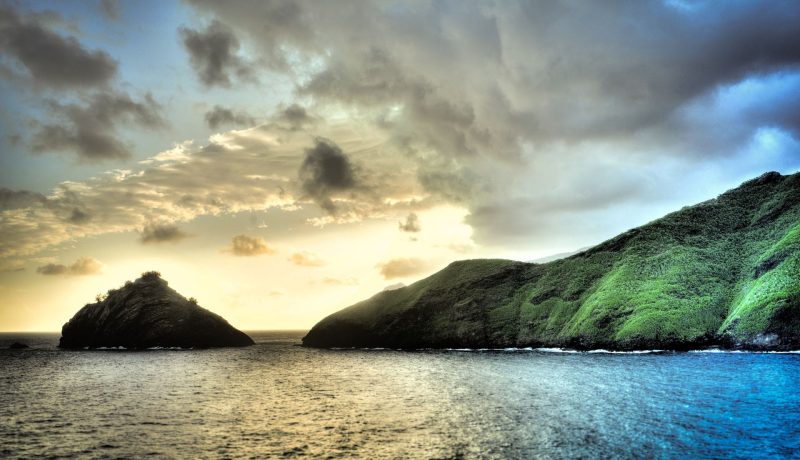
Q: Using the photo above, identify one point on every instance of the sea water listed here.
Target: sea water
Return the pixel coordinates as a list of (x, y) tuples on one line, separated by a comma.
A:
[(276, 399)]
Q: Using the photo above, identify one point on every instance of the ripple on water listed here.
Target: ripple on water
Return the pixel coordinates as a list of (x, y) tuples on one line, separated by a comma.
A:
[(279, 400)]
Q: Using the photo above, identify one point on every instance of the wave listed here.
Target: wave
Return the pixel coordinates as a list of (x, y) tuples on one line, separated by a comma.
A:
[(720, 350), (565, 350), (616, 352), (555, 350), (548, 350), (631, 352)]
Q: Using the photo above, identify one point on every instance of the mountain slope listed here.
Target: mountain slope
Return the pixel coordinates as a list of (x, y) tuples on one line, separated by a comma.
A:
[(148, 313), (723, 272)]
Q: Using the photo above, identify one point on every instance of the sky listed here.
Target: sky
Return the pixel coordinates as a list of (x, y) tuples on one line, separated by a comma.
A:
[(281, 160)]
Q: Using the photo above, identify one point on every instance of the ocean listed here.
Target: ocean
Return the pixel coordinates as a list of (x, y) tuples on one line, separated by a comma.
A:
[(279, 400)]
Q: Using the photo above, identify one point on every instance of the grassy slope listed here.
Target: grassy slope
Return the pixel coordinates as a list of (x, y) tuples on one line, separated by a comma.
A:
[(726, 271)]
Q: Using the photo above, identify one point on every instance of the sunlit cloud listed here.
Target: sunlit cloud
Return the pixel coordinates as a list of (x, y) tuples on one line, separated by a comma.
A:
[(306, 259), (402, 267), (248, 246), (186, 182), (330, 281)]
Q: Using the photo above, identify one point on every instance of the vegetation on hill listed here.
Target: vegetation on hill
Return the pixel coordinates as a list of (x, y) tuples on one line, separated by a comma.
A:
[(724, 272)]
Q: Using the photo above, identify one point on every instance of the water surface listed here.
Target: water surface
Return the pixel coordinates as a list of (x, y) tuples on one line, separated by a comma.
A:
[(276, 399)]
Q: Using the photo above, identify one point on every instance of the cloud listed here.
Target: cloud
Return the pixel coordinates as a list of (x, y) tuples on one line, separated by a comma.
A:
[(325, 171), (213, 55), (79, 216), (16, 199), (461, 248), (82, 266), (87, 129), (295, 116), (273, 21), (306, 259), (330, 281), (578, 110), (544, 105), (161, 233), (221, 116), (69, 209), (401, 268), (247, 246), (238, 171), (110, 9), (49, 58), (84, 125), (411, 224)]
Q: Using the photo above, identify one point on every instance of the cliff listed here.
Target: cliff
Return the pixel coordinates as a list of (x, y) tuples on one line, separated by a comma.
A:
[(725, 272)]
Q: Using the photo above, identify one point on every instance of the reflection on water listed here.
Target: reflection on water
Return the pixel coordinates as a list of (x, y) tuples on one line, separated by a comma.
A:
[(277, 399)]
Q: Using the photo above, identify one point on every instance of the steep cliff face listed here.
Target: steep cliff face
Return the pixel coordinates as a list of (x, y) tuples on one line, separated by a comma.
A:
[(725, 272), (147, 313)]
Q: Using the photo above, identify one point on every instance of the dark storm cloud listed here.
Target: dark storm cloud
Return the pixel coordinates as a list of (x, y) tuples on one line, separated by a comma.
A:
[(161, 233), (326, 170), (493, 99), (274, 21), (19, 199), (213, 54), (79, 216), (295, 117), (411, 224), (81, 267), (50, 58), (295, 114), (374, 79), (221, 116), (87, 129)]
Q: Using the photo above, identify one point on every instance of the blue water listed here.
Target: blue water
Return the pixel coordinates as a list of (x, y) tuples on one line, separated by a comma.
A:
[(276, 399)]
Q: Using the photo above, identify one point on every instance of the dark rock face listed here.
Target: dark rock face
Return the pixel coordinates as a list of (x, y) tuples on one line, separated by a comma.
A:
[(18, 346), (147, 313)]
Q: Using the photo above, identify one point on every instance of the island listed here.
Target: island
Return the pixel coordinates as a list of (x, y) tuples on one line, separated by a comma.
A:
[(147, 313), (723, 273)]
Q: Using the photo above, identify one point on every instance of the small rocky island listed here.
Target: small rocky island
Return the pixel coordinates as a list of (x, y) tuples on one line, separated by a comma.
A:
[(147, 313)]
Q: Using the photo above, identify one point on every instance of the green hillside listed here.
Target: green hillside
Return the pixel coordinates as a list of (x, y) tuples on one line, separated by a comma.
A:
[(724, 272)]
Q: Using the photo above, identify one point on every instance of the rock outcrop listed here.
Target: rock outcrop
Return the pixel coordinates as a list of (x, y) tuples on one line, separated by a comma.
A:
[(147, 313)]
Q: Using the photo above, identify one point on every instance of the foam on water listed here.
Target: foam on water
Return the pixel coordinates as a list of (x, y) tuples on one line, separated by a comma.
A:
[(720, 350)]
